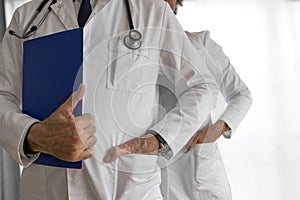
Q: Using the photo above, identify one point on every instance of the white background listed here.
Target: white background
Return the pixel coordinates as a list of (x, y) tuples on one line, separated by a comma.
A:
[(262, 39)]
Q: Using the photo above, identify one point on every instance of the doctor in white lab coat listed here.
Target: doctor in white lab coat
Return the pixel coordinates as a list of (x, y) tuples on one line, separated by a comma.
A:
[(120, 92), (199, 173)]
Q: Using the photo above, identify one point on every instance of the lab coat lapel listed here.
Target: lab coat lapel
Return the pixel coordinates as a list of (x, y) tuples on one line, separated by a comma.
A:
[(65, 11)]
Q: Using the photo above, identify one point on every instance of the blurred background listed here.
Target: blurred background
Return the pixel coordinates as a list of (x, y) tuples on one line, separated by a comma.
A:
[(262, 39)]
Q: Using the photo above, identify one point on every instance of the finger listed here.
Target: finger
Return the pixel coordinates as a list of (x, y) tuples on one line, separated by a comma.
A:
[(86, 154), (112, 155), (90, 142), (91, 129), (75, 98), (108, 156), (86, 133), (84, 121)]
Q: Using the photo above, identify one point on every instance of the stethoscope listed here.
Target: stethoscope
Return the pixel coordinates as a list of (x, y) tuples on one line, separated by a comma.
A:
[(131, 41), (30, 31)]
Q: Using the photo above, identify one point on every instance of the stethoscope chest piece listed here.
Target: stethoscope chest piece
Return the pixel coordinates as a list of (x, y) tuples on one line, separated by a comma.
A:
[(133, 40)]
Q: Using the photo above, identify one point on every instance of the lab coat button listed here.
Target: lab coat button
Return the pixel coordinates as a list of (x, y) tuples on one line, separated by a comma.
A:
[(60, 5)]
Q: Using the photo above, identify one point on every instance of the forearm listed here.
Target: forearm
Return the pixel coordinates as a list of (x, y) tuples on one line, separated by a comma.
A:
[(13, 123), (147, 144), (223, 125), (13, 127), (181, 123), (208, 134), (236, 109)]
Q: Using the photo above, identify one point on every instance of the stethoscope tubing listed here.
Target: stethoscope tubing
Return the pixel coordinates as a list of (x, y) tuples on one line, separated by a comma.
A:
[(29, 31), (131, 41), (129, 15), (34, 16)]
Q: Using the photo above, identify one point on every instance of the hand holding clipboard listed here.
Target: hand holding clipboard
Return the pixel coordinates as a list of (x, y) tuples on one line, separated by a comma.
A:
[(62, 134), (52, 68)]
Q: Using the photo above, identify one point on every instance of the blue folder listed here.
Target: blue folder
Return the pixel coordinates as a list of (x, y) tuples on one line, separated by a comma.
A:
[(52, 70)]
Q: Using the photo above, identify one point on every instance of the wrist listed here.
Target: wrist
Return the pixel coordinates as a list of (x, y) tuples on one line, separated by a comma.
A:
[(162, 146), (223, 125), (31, 139), (147, 144)]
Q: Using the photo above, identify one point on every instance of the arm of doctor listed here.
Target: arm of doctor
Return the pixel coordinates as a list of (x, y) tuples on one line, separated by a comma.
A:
[(147, 144), (62, 134), (233, 89), (208, 134), (193, 87)]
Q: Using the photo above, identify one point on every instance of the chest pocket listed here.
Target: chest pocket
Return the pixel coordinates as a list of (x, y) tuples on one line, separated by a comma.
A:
[(129, 70)]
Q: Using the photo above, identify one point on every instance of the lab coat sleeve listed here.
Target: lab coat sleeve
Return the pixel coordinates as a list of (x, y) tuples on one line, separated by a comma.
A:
[(13, 123), (232, 87), (194, 87)]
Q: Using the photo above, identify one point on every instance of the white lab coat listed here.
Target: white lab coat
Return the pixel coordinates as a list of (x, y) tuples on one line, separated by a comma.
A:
[(120, 101), (200, 174)]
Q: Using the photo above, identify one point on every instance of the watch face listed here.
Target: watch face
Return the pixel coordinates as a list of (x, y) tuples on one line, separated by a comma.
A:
[(163, 149), (227, 133)]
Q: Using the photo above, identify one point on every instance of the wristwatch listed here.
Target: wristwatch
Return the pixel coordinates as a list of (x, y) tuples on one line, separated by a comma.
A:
[(227, 133), (163, 146)]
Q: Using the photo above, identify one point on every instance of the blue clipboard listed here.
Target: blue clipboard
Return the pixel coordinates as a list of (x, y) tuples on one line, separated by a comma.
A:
[(52, 70)]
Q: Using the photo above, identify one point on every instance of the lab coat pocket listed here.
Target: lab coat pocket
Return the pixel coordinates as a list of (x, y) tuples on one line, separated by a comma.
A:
[(210, 180), (205, 156), (205, 149), (129, 70), (137, 174)]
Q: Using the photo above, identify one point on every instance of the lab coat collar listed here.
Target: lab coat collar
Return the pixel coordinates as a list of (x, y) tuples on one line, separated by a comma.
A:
[(99, 6), (65, 11), (198, 38)]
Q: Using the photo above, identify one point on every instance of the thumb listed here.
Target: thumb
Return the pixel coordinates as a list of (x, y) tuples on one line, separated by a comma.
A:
[(75, 98)]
